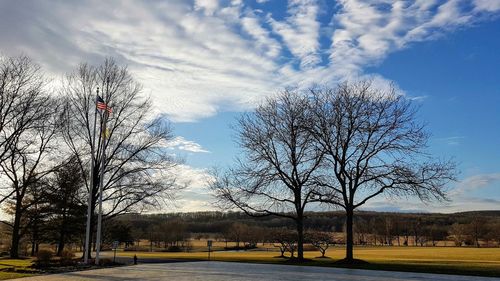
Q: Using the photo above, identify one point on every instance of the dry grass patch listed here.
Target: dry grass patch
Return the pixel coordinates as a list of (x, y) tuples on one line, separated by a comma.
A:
[(470, 261)]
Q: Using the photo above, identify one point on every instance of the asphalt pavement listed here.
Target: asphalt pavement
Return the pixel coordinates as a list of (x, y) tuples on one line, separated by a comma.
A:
[(225, 271)]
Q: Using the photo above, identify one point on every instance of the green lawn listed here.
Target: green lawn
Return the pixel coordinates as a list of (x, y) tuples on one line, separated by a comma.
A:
[(13, 268)]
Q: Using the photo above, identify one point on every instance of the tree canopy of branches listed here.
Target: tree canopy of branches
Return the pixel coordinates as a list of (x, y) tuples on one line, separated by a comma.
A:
[(138, 168), (277, 172), (21, 86), (373, 145), (320, 240), (28, 128)]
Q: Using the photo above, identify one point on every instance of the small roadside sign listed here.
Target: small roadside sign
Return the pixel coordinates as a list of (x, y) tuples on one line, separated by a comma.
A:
[(209, 245), (115, 246)]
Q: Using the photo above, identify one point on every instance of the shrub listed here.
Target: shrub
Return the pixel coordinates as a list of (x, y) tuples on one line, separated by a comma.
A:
[(244, 247), (174, 249), (309, 247), (67, 257), (43, 257), (105, 262), (137, 249)]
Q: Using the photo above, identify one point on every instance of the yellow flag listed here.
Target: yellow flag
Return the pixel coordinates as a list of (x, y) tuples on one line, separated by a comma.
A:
[(106, 133)]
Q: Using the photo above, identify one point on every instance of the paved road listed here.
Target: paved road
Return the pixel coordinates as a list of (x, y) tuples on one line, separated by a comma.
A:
[(224, 271)]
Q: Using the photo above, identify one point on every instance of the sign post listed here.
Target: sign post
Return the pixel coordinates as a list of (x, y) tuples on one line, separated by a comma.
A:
[(209, 245), (115, 246)]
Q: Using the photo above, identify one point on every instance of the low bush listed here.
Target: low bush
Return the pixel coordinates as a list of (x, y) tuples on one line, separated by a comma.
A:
[(106, 262), (245, 247), (67, 257), (174, 249), (137, 249), (44, 257), (309, 247)]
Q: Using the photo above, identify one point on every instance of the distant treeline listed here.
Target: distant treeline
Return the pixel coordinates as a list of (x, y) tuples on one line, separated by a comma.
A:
[(480, 228), (216, 222)]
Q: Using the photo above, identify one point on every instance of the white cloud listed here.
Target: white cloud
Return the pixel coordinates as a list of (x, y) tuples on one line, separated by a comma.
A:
[(370, 30), (457, 205), (195, 197), (300, 31), (487, 5), (196, 58), (418, 98), (182, 144), (194, 179), (268, 45), (209, 6), (474, 183), (463, 197), (454, 140)]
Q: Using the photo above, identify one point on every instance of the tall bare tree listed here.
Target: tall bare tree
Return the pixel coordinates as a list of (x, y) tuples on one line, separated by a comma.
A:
[(373, 145), (278, 170), (29, 161), (22, 103), (138, 168)]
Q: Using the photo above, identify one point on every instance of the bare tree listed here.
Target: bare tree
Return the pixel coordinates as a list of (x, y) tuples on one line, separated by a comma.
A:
[(22, 104), (373, 145), (139, 170), (494, 232), (29, 163), (459, 232), (237, 232), (478, 228), (320, 240), (277, 173), (285, 240)]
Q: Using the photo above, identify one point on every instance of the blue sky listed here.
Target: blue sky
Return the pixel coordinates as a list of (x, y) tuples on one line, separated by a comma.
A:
[(204, 62)]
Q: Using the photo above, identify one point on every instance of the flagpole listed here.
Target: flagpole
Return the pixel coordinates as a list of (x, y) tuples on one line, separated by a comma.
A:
[(101, 186), (105, 113), (91, 187)]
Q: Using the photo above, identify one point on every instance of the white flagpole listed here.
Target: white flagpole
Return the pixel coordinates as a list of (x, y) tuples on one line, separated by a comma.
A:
[(101, 186), (91, 187), (105, 113)]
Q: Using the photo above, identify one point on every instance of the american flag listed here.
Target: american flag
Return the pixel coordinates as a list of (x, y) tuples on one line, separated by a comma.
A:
[(102, 105)]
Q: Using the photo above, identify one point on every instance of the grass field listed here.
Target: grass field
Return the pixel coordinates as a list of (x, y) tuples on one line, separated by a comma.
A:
[(10, 268), (468, 261), (449, 260)]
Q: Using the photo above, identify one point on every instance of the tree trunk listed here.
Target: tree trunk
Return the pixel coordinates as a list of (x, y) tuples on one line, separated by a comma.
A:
[(34, 238), (60, 244), (349, 257), (300, 238), (14, 249), (33, 245)]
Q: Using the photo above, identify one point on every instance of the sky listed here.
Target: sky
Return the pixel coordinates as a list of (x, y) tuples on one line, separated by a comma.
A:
[(204, 62)]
